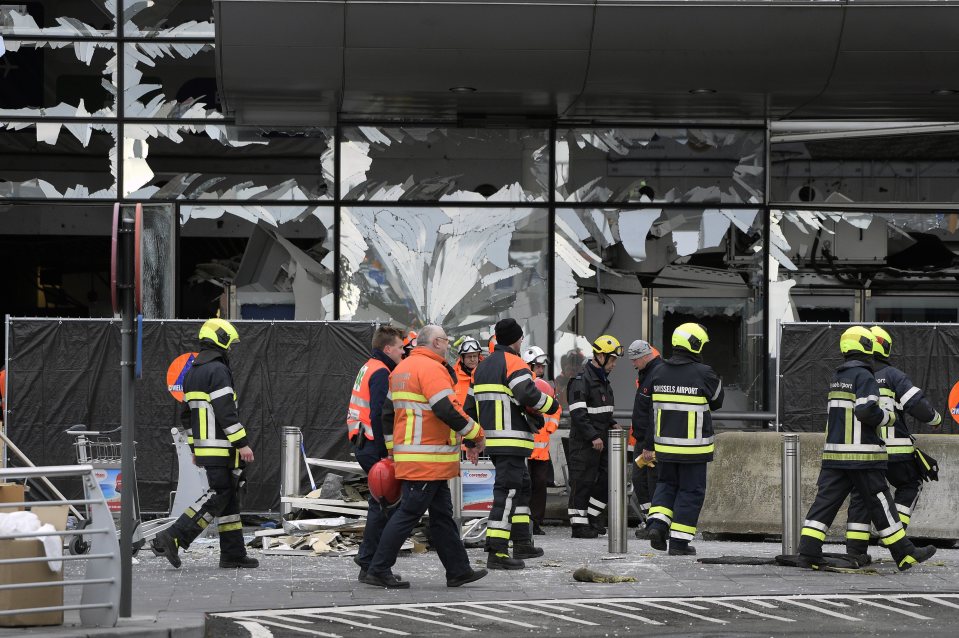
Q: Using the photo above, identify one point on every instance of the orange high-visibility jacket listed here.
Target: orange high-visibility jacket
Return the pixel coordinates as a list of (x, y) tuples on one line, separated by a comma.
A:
[(358, 412), (463, 379), (541, 438), (426, 419)]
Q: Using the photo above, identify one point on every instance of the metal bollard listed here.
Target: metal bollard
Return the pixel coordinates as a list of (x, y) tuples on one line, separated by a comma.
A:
[(290, 465), (456, 493), (791, 482), (617, 491)]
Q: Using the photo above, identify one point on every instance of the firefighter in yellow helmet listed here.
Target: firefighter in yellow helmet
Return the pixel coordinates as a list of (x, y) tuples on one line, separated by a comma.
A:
[(220, 446), (681, 394), (591, 403), (854, 458)]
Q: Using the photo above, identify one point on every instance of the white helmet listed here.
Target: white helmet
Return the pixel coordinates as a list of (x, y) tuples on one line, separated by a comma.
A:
[(534, 354), (468, 345)]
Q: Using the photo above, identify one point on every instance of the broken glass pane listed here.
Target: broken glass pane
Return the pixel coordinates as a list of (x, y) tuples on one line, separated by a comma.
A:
[(463, 268), (672, 165), (159, 264), (168, 18), (170, 80), (197, 161), (58, 79), (874, 170), (79, 18), (273, 261), (46, 160), (444, 164)]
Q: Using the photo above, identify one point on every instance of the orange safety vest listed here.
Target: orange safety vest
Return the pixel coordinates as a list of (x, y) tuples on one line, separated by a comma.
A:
[(425, 447), (541, 438), (462, 383), (358, 412)]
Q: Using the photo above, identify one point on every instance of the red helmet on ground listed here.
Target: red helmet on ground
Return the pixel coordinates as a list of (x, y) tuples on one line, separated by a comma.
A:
[(383, 483)]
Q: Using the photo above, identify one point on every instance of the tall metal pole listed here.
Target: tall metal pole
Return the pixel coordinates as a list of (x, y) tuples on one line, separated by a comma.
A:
[(290, 465), (125, 238), (791, 482), (456, 494), (617, 491)]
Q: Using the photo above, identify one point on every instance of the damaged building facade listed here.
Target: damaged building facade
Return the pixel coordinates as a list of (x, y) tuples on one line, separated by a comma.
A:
[(625, 212)]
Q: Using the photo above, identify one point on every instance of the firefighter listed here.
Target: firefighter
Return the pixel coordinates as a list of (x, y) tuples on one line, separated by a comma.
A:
[(645, 359), (898, 395), (426, 421), (469, 350), (370, 440), (681, 393), (854, 457), (591, 417), (409, 343), (220, 446), (502, 387), (539, 465)]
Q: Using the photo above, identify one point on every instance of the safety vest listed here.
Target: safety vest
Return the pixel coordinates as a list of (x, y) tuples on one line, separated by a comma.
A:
[(425, 447), (216, 432), (358, 412), (541, 438), (854, 419), (463, 380)]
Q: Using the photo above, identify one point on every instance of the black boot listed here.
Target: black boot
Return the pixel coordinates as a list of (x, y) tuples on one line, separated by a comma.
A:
[(643, 533), (537, 530), (501, 560), (584, 531), (469, 577), (389, 581), (657, 538), (918, 555), (526, 550), (166, 545), (244, 562), (681, 550), (596, 524)]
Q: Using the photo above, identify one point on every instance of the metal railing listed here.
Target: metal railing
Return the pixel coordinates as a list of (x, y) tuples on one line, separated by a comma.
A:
[(100, 598)]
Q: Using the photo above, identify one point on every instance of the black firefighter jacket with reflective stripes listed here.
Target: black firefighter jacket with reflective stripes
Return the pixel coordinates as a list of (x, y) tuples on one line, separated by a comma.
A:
[(682, 393), (642, 409), (855, 418), (898, 394), (502, 387), (591, 402), (210, 413)]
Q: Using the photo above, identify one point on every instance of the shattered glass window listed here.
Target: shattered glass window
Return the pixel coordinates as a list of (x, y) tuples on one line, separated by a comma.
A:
[(170, 80), (670, 165), (159, 263), (444, 164), (48, 160), (204, 161), (77, 18), (617, 269), (893, 169), (462, 268), (168, 18), (268, 261), (58, 79)]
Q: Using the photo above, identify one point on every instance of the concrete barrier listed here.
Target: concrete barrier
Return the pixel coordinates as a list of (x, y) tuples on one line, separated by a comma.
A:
[(744, 492)]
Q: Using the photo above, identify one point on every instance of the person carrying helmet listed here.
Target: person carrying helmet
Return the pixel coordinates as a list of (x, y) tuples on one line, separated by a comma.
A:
[(680, 394), (645, 360), (426, 423), (854, 458), (220, 446), (372, 441), (898, 395), (539, 465), (468, 350), (591, 417), (502, 388)]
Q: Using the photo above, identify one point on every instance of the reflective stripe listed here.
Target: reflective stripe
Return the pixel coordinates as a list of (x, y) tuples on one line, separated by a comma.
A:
[(909, 394), (471, 431), (845, 447), (659, 509), (675, 449), (814, 533), (668, 440), (904, 449), (678, 398), (661, 517), (229, 518), (427, 458), (862, 527), (601, 410), (520, 518), (683, 528), (229, 527), (491, 387), (597, 503), (412, 405), (439, 396), (409, 396), (211, 452), (509, 434), (857, 536), (232, 428), (834, 456), (841, 404), (425, 448), (211, 443), (898, 536), (493, 396), (578, 520), (681, 407), (222, 392), (867, 399), (887, 418), (236, 436), (196, 396), (580, 405), (681, 536), (355, 400), (822, 527), (907, 560), (904, 509), (540, 444), (508, 443), (718, 388), (515, 382)]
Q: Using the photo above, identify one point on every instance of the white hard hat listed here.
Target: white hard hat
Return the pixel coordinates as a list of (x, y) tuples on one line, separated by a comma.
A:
[(534, 354), (468, 345)]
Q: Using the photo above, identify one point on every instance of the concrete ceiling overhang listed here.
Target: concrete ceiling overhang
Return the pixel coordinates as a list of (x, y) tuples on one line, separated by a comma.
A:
[(314, 62)]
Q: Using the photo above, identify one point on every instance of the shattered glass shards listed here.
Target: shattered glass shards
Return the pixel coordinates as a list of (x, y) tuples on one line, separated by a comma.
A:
[(58, 79), (444, 164), (80, 18), (168, 18), (170, 80), (52, 160), (459, 267), (214, 161), (670, 165)]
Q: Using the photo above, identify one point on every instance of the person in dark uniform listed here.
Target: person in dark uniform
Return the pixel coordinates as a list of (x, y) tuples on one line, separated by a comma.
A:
[(220, 446), (854, 458), (591, 417), (681, 393), (898, 395), (645, 359)]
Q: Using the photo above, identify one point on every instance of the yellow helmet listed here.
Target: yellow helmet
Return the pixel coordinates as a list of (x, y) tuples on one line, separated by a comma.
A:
[(883, 342), (607, 344), (219, 331), (856, 339), (690, 336)]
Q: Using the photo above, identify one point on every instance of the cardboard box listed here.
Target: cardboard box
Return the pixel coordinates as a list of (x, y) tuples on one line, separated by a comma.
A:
[(38, 572), (11, 493)]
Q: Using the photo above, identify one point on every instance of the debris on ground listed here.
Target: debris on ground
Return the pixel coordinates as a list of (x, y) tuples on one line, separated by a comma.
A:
[(586, 575)]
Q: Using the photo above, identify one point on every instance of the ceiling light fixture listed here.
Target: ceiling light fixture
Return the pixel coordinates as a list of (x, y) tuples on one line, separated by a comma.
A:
[(462, 89), (702, 91), (945, 91)]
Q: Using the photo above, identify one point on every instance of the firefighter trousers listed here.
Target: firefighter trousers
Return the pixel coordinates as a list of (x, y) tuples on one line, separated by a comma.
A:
[(221, 501), (539, 480), (904, 477), (509, 517), (834, 485), (678, 500), (644, 484), (588, 485)]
